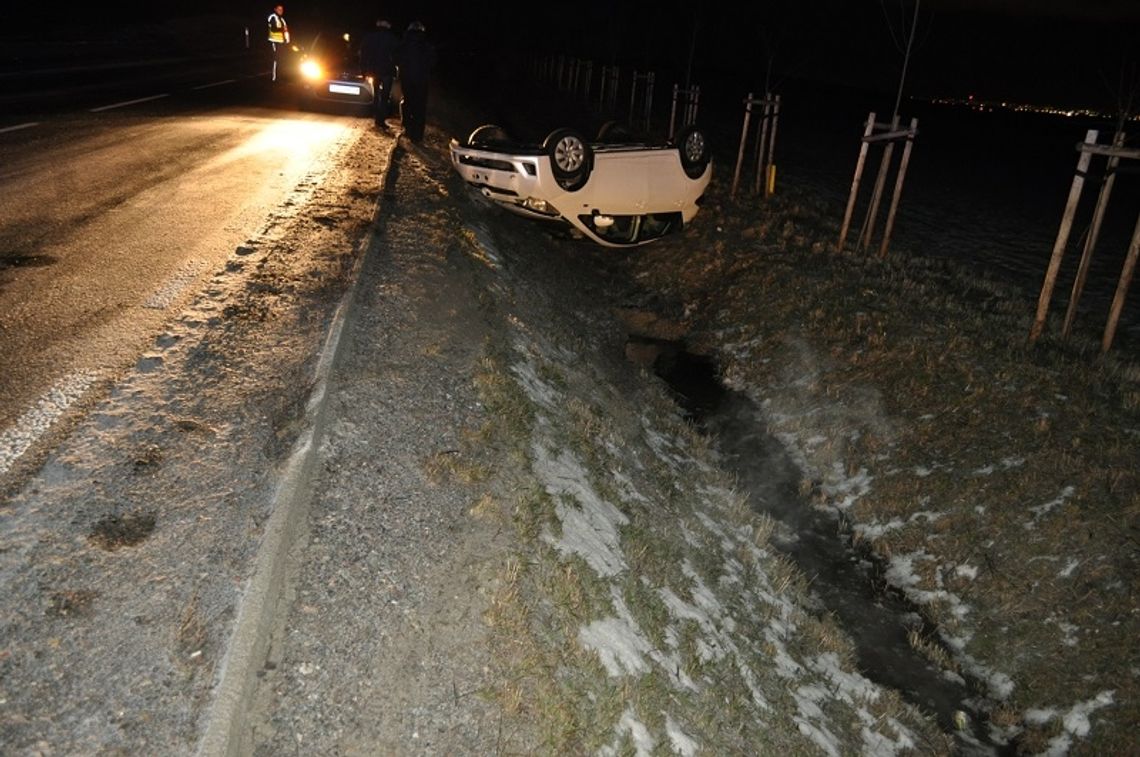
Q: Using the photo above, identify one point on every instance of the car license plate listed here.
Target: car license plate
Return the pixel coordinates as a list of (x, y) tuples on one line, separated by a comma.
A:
[(344, 89)]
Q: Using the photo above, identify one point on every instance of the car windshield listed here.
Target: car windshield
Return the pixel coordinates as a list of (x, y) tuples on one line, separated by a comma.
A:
[(335, 48)]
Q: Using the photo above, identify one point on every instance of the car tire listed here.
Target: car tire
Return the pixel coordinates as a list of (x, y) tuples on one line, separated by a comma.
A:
[(571, 158), (694, 151), (488, 135)]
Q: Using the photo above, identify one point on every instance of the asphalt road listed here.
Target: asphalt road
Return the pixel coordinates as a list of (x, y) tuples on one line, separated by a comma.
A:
[(117, 196), (168, 280)]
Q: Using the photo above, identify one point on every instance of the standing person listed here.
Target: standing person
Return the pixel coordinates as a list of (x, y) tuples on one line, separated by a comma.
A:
[(378, 59), (278, 33), (414, 60)]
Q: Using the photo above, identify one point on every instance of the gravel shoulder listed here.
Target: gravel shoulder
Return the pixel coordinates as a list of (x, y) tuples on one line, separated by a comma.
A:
[(382, 648)]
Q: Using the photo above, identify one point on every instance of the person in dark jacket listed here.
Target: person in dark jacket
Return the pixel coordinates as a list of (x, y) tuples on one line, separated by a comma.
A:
[(415, 59), (378, 59)]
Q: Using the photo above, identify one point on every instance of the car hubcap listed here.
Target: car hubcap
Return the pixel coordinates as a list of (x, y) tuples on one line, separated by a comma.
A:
[(569, 154)]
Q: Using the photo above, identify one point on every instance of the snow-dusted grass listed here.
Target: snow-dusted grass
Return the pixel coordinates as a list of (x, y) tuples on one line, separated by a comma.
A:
[(646, 612), (997, 485)]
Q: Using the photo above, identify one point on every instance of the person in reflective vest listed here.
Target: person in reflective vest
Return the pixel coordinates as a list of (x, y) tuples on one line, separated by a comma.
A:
[(278, 33)]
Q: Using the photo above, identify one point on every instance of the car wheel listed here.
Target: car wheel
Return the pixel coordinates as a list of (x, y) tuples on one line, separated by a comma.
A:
[(694, 151), (570, 157), (488, 135)]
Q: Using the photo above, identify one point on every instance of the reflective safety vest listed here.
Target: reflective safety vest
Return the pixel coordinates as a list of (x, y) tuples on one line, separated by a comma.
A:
[(278, 29)]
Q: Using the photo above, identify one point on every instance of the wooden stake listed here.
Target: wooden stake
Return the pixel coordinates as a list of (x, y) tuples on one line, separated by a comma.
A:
[(1122, 289), (770, 186), (1094, 234), (855, 181), (762, 142), (743, 140), (1062, 237), (877, 194), (898, 187)]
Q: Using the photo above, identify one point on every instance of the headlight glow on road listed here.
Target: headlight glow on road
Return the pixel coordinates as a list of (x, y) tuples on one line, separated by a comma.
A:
[(292, 141)]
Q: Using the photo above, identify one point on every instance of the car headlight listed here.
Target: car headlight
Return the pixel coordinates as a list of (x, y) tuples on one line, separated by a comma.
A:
[(310, 69), (539, 206)]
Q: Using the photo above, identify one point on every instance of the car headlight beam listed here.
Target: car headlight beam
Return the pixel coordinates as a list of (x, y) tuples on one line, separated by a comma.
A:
[(311, 69)]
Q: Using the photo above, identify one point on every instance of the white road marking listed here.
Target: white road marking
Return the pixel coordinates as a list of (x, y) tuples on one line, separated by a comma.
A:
[(35, 422), (169, 291), (215, 84), (17, 127), (125, 103)]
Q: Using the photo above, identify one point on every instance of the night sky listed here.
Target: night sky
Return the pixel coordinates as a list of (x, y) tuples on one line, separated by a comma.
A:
[(1063, 52)]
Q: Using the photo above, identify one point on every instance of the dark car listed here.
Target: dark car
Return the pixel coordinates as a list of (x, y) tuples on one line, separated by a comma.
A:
[(330, 70)]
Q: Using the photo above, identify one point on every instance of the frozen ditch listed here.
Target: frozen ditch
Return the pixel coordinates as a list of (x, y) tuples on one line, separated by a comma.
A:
[(844, 583)]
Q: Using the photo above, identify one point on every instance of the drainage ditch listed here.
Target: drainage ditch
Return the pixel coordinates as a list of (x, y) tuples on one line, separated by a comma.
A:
[(845, 584)]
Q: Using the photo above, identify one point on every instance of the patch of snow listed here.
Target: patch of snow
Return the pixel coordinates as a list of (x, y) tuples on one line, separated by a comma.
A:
[(1042, 510), (539, 391), (927, 515), (999, 685), (589, 530), (687, 534), (1070, 632), (965, 570), (1037, 716), (815, 441), (819, 735), (786, 665), (753, 685), (876, 744), (707, 613), (663, 447), (623, 648), (619, 644), (843, 490), (849, 686), (682, 743), (1076, 723), (626, 488), (1067, 571), (1006, 463), (643, 741), (875, 530), (900, 573)]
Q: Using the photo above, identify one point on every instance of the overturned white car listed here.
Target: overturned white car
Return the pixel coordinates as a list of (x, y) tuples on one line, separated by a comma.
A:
[(617, 193)]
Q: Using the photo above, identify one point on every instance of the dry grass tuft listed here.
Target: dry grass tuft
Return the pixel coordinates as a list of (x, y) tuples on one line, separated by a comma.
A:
[(932, 650)]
